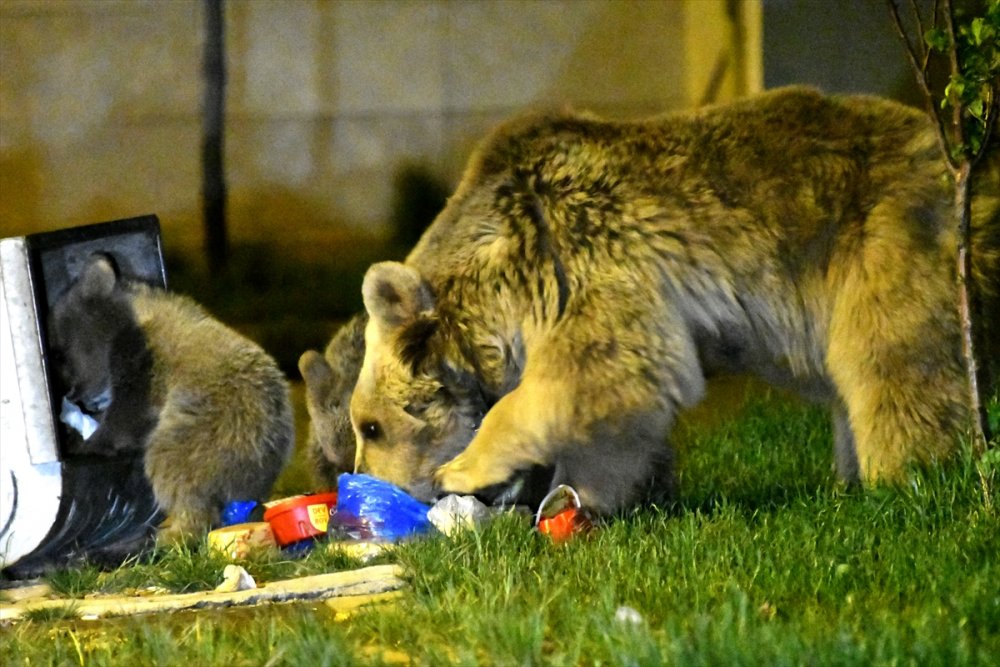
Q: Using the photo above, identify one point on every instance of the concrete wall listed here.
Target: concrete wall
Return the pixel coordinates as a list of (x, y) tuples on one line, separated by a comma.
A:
[(326, 100), (849, 46)]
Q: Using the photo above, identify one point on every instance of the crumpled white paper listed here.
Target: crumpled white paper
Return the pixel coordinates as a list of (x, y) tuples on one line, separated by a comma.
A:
[(77, 419), (453, 513), (628, 616), (235, 578)]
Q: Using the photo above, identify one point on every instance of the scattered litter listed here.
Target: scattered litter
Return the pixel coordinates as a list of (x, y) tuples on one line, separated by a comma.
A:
[(300, 548), (365, 513), (237, 541), (453, 513), (77, 419), (301, 517), (235, 578), (372, 509), (560, 514), (271, 503), (628, 616), (242, 511)]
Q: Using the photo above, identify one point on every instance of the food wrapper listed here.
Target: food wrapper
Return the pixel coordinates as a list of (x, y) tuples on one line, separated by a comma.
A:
[(235, 578), (372, 509), (241, 511), (237, 541), (77, 419), (454, 513)]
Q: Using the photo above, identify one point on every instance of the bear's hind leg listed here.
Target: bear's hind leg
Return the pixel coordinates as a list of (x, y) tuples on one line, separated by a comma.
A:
[(899, 375), (844, 449), (185, 470)]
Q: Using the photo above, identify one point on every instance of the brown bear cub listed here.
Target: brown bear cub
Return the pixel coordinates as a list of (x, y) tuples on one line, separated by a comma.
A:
[(209, 408), (329, 380), (587, 276)]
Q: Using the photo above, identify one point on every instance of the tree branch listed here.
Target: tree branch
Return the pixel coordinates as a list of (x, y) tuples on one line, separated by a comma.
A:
[(920, 72), (923, 50), (958, 131)]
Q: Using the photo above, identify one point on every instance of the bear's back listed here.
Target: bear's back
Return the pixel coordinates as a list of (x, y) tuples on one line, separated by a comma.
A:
[(192, 347), (793, 162)]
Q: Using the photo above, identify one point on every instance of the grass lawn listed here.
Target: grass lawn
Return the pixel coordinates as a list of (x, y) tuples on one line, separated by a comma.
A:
[(765, 561)]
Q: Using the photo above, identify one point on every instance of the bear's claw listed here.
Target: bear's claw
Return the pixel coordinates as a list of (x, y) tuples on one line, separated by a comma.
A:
[(462, 475)]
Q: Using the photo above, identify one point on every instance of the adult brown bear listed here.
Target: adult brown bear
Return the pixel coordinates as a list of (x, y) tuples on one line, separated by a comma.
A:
[(588, 275)]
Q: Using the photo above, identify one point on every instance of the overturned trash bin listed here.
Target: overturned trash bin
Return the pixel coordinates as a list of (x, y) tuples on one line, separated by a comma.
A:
[(57, 509)]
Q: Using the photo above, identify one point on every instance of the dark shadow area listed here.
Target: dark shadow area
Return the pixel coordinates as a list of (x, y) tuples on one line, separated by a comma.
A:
[(289, 304), (285, 304), (418, 196)]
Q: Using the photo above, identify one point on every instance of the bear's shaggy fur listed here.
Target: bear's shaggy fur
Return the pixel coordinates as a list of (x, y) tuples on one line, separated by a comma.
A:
[(588, 275), (208, 407)]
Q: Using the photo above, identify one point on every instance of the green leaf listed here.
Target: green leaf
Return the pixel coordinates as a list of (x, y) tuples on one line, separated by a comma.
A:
[(976, 31), (976, 108), (955, 89), (936, 39), (974, 144)]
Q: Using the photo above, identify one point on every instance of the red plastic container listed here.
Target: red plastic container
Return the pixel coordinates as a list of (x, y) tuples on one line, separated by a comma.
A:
[(301, 517), (564, 525), (560, 515)]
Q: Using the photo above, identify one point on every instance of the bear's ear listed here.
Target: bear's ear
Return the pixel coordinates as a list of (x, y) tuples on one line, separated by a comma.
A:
[(395, 295), (413, 342), (317, 374), (99, 277)]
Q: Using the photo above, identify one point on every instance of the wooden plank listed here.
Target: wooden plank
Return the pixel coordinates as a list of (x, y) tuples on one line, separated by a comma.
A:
[(366, 581)]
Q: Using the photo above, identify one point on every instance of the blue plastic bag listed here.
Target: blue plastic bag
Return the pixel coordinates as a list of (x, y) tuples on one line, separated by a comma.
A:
[(239, 511), (373, 509)]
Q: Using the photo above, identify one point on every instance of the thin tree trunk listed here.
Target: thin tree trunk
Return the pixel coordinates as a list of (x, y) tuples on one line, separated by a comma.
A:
[(213, 171), (966, 308), (951, 135)]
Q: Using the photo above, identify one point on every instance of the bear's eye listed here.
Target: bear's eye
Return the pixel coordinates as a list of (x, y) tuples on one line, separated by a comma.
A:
[(371, 430)]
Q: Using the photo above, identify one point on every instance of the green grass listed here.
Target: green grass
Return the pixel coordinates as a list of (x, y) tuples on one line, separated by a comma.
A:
[(765, 560), (52, 613)]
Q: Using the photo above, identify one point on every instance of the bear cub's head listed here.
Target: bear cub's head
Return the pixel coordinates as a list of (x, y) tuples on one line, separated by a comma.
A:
[(416, 404), (329, 380), (83, 328)]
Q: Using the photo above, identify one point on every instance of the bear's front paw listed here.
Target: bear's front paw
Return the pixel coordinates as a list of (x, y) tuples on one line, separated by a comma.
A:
[(465, 475)]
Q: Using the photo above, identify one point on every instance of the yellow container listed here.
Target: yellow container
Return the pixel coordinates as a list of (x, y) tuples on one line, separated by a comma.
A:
[(238, 540)]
